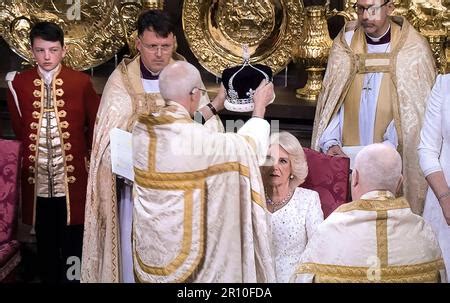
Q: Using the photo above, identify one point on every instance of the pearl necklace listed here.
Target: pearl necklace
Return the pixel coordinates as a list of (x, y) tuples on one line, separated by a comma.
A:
[(277, 205)]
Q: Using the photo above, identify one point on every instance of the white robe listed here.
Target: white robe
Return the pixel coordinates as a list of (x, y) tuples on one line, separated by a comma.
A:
[(199, 208), (126, 209), (123, 100), (375, 239), (367, 112), (434, 155)]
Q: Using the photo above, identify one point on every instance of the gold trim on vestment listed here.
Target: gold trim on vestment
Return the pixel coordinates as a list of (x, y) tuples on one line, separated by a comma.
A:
[(151, 120), (369, 63), (187, 181), (416, 273), (185, 246), (152, 179), (382, 238), (374, 205), (142, 177), (141, 102), (251, 142), (374, 62), (256, 197)]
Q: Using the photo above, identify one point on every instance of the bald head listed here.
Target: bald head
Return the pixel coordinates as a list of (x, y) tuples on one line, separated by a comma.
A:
[(378, 167), (177, 80)]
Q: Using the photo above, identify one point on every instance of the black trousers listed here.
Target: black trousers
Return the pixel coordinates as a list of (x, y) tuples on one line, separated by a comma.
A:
[(57, 243)]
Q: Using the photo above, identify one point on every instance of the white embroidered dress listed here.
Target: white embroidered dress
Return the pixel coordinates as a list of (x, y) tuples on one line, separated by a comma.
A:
[(292, 227), (434, 154)]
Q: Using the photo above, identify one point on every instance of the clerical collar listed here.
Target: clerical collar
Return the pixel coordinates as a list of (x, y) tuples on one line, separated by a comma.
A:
[(48, 75), (146, 74), (385, 38)]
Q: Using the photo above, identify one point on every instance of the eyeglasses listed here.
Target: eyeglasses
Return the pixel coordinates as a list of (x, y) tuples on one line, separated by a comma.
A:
[(202, 90), (153, 48), (371, 11)]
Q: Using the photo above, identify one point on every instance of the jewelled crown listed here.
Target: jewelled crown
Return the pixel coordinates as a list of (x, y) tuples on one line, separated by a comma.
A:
[(240, 83)]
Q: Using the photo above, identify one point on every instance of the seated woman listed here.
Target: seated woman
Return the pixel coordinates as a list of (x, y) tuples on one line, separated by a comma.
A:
[(434, 156), (296, 211)]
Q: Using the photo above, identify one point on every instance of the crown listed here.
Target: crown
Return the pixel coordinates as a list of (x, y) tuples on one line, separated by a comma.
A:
[(240, 83)]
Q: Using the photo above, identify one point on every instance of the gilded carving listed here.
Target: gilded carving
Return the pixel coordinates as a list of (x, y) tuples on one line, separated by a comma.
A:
[(216, 31), (92, 28), (248, 22)]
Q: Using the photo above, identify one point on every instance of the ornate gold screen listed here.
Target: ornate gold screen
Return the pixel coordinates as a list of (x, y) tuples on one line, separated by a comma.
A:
[(93, 32), (216, 30)]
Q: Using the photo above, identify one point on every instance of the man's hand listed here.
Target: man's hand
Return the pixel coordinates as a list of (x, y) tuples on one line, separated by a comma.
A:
[(336, 151), (219, 100), (445, 204), (264, 94)]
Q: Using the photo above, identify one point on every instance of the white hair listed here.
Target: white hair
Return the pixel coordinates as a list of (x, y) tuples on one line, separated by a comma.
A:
[(299, 166), (177, 80), (379, 166)]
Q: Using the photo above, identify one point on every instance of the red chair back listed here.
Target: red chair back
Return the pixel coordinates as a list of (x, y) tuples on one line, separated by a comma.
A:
[(10, 159), (329, 176)]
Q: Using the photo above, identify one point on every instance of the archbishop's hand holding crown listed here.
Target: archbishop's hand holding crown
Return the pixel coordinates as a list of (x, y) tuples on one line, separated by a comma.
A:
[(240, 84), (264, 95)]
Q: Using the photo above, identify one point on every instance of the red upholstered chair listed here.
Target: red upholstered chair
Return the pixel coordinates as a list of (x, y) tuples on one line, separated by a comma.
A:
[(329, 176), (10, 159)]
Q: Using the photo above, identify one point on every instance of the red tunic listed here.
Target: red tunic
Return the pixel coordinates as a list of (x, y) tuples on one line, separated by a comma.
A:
[(77, 104)]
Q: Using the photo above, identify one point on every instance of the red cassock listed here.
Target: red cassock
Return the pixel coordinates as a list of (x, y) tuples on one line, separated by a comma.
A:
[(77, 104)]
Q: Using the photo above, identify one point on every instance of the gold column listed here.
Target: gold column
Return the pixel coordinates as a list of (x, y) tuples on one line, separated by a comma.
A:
[(313, 50)]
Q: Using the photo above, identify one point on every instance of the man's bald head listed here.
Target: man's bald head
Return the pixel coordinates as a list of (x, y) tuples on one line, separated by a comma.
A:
[(177, 80), (378, 167)]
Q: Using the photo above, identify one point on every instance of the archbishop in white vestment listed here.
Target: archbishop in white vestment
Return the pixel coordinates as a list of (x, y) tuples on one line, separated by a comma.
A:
[(376, 92), (376, 238), (199, 207), (125, 96)]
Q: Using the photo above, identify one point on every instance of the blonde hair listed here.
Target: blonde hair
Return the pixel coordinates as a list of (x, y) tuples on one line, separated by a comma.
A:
[(299, 166)]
